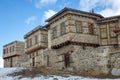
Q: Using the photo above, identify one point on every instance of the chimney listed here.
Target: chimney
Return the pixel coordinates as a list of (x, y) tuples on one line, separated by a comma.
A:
[(92, 11)]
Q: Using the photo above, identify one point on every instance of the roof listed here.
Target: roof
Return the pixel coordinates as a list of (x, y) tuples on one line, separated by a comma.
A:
[(12, 43), (35, 29), (112, 18), (74, 10)]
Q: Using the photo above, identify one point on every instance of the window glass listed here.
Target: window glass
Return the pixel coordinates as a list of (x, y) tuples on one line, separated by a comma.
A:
[(55, 32), (112, 34), (103, 33), (63, 28), (78, 25), (91, 28)]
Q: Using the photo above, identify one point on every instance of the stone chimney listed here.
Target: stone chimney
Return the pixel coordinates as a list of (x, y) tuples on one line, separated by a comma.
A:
[(92, 11)]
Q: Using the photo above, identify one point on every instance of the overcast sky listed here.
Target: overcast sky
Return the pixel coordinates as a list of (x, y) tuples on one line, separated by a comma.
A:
[(17, 17)]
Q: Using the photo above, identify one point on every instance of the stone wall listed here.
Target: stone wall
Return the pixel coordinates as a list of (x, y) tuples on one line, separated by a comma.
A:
[(89, 59), (114, 63), (83, 59), (38, 59)]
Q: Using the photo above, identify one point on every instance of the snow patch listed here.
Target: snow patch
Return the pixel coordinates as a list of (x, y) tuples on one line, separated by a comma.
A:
[(5, 71)]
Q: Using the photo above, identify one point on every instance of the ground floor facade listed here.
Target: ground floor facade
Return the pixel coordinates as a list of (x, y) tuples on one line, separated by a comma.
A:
[(77, 58)]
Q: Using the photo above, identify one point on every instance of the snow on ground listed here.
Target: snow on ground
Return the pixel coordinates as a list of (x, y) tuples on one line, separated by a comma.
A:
[(5, 71), (1, 62)]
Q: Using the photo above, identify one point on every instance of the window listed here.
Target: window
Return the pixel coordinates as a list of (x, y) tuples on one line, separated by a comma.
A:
[(27, 43), (78, 25), (63, 28), (36, 53), (36, 39), (91, 28), (103, 33), (30, 55), (30, 42), (112, 34), (7, 50), (55, 32), (10, 49), (43, 38), (13, 48), (33, 54), (4, 51)]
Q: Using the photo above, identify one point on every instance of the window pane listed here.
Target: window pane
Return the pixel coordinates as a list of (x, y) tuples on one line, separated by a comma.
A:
[(78, 26), (55, 32), (63, 28), (91, 28), (112, 34), (36, 39), (43, 38), (103, 33)]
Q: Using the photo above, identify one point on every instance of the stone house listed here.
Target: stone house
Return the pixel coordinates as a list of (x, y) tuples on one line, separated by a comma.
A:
[(13, 54), (35, 42), (75, 40)]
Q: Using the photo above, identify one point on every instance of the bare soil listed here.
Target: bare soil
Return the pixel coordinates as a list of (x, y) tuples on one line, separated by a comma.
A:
[(33, 72)]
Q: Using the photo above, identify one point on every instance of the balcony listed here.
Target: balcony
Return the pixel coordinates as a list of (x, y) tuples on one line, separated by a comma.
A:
[(75, 38), (12, 54), (35, 47)]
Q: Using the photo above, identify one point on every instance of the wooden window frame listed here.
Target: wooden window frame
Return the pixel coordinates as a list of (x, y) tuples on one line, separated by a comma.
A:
[(91, 28), (110, 31), (63, 28), (36, 39), (13, 48), (101, 33), (78, 25), (36, 53), (4, 51), (10, 49), (30, 42), (54, 32), (43, 38)]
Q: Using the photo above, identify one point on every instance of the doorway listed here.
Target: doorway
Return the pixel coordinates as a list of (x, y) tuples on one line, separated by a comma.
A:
[(33, 61), (47, 60), (11, 62), (67, 60)]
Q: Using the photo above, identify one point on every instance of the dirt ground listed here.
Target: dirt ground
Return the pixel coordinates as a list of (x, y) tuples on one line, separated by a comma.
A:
[(33, 72)]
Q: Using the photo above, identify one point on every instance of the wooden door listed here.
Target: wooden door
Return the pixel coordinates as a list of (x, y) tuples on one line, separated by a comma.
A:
[(11, 62), (67, 59), (33, 61), (47, 60)]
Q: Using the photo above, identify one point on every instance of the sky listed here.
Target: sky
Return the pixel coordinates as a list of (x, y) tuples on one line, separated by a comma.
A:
[(17, 17)]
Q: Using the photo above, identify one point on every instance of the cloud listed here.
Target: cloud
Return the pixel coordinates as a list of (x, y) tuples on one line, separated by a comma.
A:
[(107, 7), (31, 20), (48, 14), (1, 62), (39, 3)]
